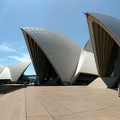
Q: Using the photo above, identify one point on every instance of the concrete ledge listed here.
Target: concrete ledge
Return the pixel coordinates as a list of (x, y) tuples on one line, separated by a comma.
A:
[(103, 82)]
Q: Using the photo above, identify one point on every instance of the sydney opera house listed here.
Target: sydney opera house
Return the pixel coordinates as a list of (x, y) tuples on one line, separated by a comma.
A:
[(14, 73), (56, 56), (59, 60)]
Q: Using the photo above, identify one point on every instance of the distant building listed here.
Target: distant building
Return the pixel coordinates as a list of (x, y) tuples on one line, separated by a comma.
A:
[(32, 77), (56, 58)]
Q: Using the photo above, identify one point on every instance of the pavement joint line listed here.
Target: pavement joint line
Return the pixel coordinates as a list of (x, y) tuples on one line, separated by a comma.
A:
[(84, 111), (70, 110), (106, 107), (39, 116), (59, 104), (43, 105), (25, 103), (64, 107), (65, 115)]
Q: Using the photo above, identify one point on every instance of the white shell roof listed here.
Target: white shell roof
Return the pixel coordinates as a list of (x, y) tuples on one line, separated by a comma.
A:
[(88, 66), (62, 52), (64, 55), (111, 24), (17, 70), (14, 72), (5, 74), (105, 35)]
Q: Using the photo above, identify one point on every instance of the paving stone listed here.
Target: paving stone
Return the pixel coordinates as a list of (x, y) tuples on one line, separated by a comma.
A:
[(60, 103)]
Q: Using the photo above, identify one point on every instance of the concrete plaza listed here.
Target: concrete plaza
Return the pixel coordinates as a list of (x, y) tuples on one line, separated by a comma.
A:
[(60, 103)]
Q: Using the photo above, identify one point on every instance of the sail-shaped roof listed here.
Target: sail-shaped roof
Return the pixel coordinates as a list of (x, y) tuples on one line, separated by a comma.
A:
[(104, 32), (62, 53)]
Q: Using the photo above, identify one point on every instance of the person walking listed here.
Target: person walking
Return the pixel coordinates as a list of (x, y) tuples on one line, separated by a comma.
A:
[(119, 89)]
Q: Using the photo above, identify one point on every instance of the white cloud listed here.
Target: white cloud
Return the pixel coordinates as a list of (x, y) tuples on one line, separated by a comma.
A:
[(24, 57), (6, 48), (18, 55)]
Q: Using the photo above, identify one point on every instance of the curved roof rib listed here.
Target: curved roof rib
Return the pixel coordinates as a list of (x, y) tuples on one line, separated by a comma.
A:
[(17, 70), (104, 32), (62, 53)]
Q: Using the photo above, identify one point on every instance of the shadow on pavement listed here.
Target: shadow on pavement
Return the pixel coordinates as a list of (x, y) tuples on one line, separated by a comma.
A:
[(9, 88)]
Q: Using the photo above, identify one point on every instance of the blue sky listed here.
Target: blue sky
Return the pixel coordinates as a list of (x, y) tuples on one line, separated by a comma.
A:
[(63, 16)]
